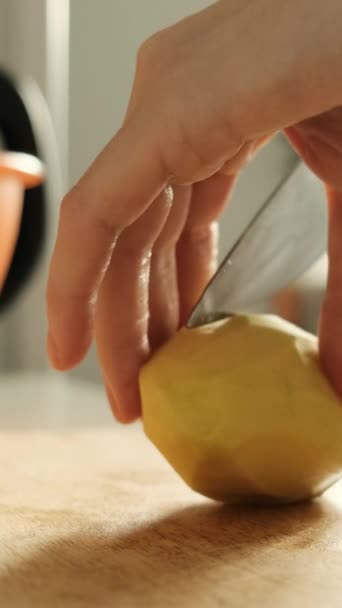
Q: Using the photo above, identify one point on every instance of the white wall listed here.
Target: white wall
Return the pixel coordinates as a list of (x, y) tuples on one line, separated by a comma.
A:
[(104, 38), (3, 31), (16, 20), (24, 22), (24, 54), (3, 45)]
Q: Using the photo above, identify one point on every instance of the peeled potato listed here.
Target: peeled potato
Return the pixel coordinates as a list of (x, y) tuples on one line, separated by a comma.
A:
[(242, 411)]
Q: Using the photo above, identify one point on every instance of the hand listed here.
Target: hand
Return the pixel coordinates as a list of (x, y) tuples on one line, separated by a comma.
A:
[(319, 141), (137, 235)]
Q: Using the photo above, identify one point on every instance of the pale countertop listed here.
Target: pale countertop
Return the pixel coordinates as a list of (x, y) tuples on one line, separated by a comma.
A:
[(91, 516)]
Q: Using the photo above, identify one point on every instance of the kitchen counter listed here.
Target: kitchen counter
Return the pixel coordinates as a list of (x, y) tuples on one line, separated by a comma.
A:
[(91, 516)]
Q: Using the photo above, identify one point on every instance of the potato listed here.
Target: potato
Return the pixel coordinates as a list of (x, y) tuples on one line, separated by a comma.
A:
[(242, 411)]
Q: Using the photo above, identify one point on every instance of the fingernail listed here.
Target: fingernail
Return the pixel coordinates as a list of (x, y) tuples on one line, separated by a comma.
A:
[(113, 403), (52, 351)]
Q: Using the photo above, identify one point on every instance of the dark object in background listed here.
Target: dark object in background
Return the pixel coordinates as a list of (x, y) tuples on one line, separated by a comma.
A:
[(17, 133)]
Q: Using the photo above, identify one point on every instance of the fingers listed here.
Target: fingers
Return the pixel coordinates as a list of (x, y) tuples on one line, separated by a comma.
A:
[(318, 140), (246, 153), (119, 186), (331, 315), (121, 324), (163, 295), (197, 248)]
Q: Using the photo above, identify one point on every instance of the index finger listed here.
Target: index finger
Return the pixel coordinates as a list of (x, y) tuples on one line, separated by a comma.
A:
[(121, 183)]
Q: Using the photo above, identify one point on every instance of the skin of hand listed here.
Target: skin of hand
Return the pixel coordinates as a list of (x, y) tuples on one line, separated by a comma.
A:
[(137, 235)]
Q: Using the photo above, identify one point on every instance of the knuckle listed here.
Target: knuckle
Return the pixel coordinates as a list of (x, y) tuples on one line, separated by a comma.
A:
[(131, 249), (173, 228), (196, 156), (200, 235), (198, 148), (87, 212), (70, 206), (183, 159), (150, 49)]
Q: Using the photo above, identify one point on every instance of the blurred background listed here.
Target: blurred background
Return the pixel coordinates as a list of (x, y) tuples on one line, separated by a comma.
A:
[(80, 56)]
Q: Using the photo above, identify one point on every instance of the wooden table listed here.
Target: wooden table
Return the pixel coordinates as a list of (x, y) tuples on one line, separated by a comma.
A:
[(91, 516)]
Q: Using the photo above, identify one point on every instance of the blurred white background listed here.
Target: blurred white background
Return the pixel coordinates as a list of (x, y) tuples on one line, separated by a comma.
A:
[(81, 53)]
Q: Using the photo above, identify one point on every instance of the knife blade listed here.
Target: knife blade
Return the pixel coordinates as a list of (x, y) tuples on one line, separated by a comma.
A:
[(282, 240)]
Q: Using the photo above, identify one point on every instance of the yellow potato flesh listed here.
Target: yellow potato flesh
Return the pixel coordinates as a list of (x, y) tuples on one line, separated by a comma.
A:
[(242, 411)]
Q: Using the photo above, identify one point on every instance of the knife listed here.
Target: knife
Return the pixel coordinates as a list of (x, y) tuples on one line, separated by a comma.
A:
[(282, 240)]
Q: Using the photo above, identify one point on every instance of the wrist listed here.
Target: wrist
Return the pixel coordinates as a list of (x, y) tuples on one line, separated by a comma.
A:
[(289, 58)]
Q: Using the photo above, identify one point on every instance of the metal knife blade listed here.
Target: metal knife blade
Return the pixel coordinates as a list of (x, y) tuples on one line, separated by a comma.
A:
[(282, 240)]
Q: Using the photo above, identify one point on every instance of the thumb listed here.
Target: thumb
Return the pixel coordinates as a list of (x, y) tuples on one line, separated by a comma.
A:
[(330, 332)]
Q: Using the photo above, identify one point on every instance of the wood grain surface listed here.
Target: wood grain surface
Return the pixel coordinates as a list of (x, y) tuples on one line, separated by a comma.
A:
[(95, 518)]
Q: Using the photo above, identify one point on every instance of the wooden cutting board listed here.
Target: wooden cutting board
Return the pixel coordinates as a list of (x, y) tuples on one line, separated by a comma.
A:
[(95, 518)]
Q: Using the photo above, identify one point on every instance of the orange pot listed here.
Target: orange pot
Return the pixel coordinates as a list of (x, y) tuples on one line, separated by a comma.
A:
[(17, 172)]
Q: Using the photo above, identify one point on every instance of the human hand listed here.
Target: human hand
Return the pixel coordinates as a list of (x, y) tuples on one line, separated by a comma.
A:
[(137, 235), (319, 142)]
